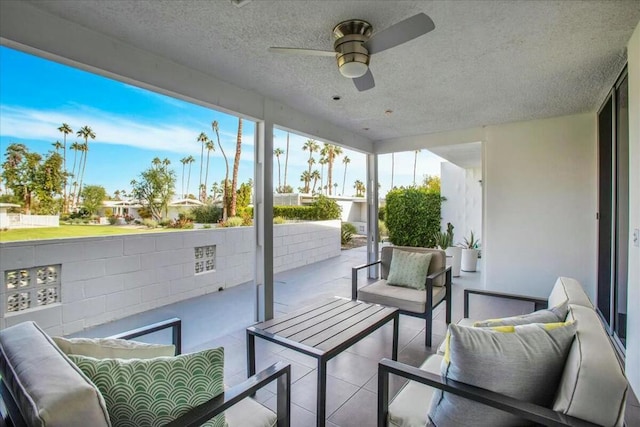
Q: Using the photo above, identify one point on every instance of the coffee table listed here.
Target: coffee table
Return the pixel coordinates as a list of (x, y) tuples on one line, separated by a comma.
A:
[(323, 331)]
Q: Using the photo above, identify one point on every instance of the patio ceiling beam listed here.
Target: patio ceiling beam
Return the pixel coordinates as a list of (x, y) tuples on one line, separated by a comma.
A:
[(410, 143)]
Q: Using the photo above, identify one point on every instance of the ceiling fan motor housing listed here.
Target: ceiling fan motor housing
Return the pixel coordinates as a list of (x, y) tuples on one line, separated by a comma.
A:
[(352, 55)]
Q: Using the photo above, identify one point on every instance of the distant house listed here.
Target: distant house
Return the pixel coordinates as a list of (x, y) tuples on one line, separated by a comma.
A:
[(19, 220), (182, 205), (130, 208)]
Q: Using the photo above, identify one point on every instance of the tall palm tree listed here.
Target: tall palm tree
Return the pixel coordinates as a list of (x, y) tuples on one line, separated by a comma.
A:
[(216, 129), (322, 161), (236, 166), (57, 145), (306, 178), (66, 130), (415, 162), (286, 161), (331, 152), (190, 160), (75, 147), (312, 146), (359, 186), (85, 132), (184, 161), (278, 152), (311, 162), (315, 175), (345, 160), (202, 139), (393, 164), (210, 147)]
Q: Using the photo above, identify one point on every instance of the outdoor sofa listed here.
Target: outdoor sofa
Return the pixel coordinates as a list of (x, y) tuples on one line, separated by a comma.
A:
[(41, 386), (590, 388)]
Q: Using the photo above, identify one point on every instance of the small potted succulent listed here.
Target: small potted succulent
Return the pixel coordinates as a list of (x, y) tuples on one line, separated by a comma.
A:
[(470, 251), (445, 242)]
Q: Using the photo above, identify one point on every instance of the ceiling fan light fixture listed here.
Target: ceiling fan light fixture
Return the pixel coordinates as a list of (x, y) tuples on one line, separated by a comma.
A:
[(353, 70)]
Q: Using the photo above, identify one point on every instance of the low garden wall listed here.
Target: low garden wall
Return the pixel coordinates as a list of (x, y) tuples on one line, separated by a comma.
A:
[(67, 285)]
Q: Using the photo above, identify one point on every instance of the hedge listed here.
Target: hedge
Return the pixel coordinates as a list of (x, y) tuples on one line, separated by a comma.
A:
[(413, 216)]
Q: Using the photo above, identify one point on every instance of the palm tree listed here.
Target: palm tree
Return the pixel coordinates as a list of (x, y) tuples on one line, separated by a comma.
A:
[(75, 147), (214, 126), (312, 146), (286, 161), (331, 152), (236, 166), (83, 148), (311, 162), (415, 162), (190, 159), (210, 147), (393, 163), (315, 175), (278, 152), (359, 186), (86, 132), (66, 130), (322, 161), (56, 145), (202, 139), (346, 160), (184, 162), (306, 178)]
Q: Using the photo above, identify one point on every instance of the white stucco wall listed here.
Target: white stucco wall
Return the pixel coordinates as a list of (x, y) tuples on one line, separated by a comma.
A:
[(633, 310), (463, 207), (108, 278), (540, 204)]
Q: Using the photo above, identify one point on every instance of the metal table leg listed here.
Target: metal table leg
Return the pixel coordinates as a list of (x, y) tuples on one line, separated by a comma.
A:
[(321, 398)]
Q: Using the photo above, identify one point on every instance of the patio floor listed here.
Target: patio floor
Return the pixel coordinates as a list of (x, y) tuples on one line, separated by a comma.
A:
[(220, 319)]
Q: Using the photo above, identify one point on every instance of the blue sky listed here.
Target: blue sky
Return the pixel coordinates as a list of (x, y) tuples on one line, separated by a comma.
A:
[(134, 125)]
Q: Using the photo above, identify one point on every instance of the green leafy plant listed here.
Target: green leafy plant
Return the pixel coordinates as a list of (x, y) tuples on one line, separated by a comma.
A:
[(113, 219), (233, 221), (206, 214), (150, 223), (471, 242), (383, 231), (326, 208), (413, 216), (279, 220), (347, 230)]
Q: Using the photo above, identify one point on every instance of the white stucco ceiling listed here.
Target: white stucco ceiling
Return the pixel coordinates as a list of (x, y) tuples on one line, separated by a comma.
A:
[(487, 62)]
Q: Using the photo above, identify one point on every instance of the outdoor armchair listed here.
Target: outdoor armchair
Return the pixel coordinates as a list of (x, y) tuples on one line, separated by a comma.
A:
[(411, 302)]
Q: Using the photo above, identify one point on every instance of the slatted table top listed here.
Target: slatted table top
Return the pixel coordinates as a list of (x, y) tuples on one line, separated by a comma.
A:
[(326, 327)]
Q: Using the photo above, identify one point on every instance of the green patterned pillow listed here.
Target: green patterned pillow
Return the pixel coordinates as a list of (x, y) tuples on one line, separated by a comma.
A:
[(409, 269), (154, 392)]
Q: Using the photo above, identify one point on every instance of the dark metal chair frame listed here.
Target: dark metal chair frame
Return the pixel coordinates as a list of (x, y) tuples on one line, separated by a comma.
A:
[(427, 315), (11, 416)]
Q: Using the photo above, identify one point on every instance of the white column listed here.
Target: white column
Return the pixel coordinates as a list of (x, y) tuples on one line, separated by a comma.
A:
[(372, 213), (263, 220)]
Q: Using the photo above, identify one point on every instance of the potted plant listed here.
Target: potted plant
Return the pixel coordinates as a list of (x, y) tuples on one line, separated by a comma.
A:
[(445, 242), (470, 250)]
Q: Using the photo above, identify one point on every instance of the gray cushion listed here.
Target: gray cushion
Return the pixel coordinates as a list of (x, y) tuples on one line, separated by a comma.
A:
[(408, 406), (409, 269), (103, 348), (462, 322), (550, 315), (593, 385), (407, 299), (525, 362), (570, 290), (249, 413), (438, 261), (51, 391)]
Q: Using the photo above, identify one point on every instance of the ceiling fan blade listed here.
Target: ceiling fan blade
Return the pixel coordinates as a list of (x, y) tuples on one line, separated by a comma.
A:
[(297, 51), (364, 82), (400, 33)]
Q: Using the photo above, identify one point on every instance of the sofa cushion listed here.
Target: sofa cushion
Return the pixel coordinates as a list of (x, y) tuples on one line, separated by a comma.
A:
[(249, 413), (153, 392), (109, 348), (407, 299), (570, 290), (409, 269), (49, 389), (550, 315), (524, 362), (438, 261), (408, 406), (593, 386)]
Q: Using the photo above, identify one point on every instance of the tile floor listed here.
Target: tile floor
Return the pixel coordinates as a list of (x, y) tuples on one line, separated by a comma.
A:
[(220, 320)]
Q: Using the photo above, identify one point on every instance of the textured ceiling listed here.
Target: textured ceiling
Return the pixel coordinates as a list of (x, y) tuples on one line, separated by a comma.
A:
[(487, 62)]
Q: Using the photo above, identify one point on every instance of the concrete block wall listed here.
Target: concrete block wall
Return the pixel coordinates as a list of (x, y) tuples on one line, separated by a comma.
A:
[(108, 278)]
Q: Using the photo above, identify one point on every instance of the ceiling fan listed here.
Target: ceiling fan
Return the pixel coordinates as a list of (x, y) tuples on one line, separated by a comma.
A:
[(355, 44)]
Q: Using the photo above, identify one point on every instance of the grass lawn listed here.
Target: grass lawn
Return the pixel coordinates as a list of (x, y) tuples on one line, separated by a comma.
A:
[(73, 231)]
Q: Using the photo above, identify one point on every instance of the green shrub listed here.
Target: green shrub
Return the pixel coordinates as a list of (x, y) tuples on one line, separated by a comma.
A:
[(279, 220), (147, 222), (234, 221), (294, 212), (381, 212), (207, 214), (113, 219), (413, 216), (347, 231), (164, 223), (326, 208), (382, 229), (206, 226), (183, 221)]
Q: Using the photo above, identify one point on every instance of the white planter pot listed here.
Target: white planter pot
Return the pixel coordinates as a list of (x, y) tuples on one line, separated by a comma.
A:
[(469, 259), (455, 252)]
